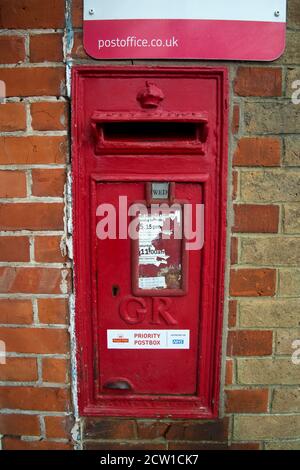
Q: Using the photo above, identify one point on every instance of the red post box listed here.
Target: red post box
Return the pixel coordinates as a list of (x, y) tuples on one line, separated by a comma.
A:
[(149, 180)]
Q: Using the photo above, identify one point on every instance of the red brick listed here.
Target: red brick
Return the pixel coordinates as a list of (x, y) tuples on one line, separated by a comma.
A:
[(34, 398), (19, 370), (55, 370), (247, 401), (15, 311), (12, 117), (210, 446), (49, 115), (14, 249), (258, 81), (229, 372), (235, 182), (48, 182), (10, 443), (35, 340), (31, 216), (196, 431), (32, 14), (12, 49), (77, 13), (151, 429), (125, 446), (252, 282), (252, 218), (12, 183), (109, 428), (53, 311), (249, 343), (47, 250), (235, 124), (258, 151), (32, 150), (234, 250), (58, 427), (232, 314), (34, 81), (19, 425), (78, 51), (245, 446), (46, 47), (33, 280)]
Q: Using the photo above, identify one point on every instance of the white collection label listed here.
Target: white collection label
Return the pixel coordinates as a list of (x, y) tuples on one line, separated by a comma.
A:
[(148, 339)]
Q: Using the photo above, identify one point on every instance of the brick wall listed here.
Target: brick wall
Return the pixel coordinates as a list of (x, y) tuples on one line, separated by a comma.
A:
[(260, 393)]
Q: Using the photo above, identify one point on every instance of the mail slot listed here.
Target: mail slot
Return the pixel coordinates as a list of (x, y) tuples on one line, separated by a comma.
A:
[(149, 182)]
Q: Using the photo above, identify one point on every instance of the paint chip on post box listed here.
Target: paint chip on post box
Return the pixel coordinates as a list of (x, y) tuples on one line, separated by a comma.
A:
[(148, 339)]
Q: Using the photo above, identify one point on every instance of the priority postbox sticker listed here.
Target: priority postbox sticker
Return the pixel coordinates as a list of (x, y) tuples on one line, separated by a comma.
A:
[(148, 339)]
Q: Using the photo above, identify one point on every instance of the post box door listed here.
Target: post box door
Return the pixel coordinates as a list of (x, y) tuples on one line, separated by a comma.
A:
[(147, 344)]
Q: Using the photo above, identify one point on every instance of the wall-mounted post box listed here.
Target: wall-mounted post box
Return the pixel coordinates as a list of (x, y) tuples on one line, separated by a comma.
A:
[(149, 178)]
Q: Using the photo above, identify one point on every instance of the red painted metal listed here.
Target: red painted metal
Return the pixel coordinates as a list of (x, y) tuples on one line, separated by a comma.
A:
[(151, 383)]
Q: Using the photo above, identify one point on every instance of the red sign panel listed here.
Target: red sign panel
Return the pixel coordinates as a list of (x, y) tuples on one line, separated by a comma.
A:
[(185, 29)]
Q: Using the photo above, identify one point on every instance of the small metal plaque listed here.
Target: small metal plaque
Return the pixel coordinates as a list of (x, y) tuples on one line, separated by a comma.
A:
[(160, 190)]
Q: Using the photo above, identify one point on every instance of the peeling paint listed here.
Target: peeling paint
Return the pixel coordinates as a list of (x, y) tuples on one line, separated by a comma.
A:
[(64, 283)]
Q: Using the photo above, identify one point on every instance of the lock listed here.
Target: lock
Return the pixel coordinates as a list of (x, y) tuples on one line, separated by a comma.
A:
[(149, 173)]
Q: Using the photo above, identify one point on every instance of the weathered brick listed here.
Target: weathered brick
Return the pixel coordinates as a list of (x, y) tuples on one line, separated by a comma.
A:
[(258, 81), (34, 81), (12, 117), (32, 14), (292, 75), (247, 401), (292, 51), (269, 313), (229, 372), (12, 49), (249, 343), (48, 250), (252, 371), (235, 184), (33, 280), (291, 220), (286, 400), (32, 150), (77, 13), (278, 117), (252, 282), (258, 151), (289, 282), (78, 51), (33, 398), (48, 182), (15, 311), (293, 14), (278, 251), (151, 429), (19, 425), (235, 123), (232, 313), (291, 156), (46, 47), (35, 340), (253, 218), (55, 370), (105, 428), (31, 216), (10, 443), (270, 186), (53, 311), (266, 427), (197, 431), (284, 340), (18, 369), (58, 427), (234, 250), (14, 249), (49, 115)]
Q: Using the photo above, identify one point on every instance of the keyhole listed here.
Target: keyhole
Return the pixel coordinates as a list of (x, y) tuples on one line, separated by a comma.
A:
[(115, 291)]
